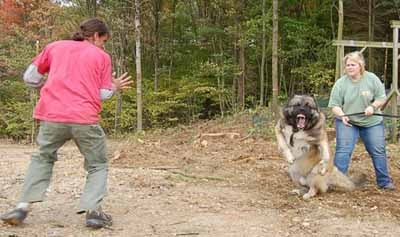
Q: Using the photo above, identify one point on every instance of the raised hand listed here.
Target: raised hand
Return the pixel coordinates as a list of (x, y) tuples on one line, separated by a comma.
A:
[(122, 82)]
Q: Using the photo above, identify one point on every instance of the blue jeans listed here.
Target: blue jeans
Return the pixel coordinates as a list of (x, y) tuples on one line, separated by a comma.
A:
[(374, 142)]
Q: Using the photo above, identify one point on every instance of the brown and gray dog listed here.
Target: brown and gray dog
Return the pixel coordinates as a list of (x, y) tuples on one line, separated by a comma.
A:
[(303, 141)]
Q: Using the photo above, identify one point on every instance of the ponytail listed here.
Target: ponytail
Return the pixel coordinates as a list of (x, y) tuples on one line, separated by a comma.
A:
[(78, 36), (88, 28)]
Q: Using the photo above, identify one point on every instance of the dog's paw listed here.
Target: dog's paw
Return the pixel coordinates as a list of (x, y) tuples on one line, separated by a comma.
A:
[(322, 167), (299, 191), (307, 197), (311, 193), (296, 192), (290, 159), (303, 181)]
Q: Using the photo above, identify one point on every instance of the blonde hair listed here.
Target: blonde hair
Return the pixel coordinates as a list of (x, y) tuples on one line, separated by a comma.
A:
[(357, 57)]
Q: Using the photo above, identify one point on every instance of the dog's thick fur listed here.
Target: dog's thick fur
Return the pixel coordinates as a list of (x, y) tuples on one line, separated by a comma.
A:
[(303, 140)]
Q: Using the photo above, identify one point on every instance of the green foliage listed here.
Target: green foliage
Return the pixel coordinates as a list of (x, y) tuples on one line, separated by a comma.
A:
[(318, 78), (198, 56), (15, 111), (16, 52), (16, 120), (187, 102), (309, 57)]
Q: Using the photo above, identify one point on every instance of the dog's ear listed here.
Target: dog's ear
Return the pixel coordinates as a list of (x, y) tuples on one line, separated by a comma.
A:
[(315, 103), (287, 111), (315, 117), (295, 98)]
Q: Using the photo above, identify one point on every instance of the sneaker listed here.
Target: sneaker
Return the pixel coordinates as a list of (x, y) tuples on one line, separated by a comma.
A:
[(388, 186), (15, 217), (97, 219)]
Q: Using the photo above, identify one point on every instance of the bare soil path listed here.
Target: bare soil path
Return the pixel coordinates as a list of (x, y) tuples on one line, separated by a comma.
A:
[(211, 179)]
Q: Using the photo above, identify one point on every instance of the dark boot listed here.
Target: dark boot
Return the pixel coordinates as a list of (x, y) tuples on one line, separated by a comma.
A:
[(15, 217), (97, 219)]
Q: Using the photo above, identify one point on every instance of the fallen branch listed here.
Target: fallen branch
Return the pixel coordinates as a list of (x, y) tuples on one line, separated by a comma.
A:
[(248, 136), (164, 168), (228, 134), (197, 177), (243, 159), (190, 233)]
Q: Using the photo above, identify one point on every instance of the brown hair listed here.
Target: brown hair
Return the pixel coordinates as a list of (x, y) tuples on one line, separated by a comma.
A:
[(89, 27)]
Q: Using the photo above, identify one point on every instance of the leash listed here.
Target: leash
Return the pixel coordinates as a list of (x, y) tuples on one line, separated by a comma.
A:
[(376, 114)]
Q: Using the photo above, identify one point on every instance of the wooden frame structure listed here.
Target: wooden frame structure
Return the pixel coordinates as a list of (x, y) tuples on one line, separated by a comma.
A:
[(394, 91)]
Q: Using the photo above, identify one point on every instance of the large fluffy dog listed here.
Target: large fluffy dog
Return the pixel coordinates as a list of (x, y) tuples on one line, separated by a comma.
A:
[(303, 140)]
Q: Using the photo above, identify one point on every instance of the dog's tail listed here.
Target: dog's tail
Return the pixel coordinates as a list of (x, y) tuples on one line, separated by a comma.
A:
[(341, 180), (359, 179)]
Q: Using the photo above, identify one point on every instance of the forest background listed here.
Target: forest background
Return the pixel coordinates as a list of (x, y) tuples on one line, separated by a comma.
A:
[(200, 58)]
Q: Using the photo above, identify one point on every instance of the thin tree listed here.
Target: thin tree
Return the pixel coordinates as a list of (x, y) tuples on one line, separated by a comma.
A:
[(275, 84), (262, 87), (339, 49), (242, 66), (371, 31), (156, 14), (33, 98), (92, 7), (172, 40), (138, 67), (241, 83)]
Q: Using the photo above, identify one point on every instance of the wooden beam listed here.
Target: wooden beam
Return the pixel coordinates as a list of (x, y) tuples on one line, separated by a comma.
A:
[(362, 44), (395, 24)]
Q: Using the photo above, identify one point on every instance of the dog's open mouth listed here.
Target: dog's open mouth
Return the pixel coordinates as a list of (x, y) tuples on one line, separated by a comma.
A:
[(301, 121)]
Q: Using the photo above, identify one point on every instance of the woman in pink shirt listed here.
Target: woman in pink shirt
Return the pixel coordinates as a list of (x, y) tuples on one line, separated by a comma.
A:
[(79, 78)]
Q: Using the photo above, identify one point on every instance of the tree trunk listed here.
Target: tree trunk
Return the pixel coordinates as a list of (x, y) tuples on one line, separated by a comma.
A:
[(242, 78), (157, 11), (193, 14), (33, 99), (236, 61), (267, 83), (262, 80), (138, 67), (371, 29), (92, 7), (221, 82), (339, 49), (275, 35), (172, 40)]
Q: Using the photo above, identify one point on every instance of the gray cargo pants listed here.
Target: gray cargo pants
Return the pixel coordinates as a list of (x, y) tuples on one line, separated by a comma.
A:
[(90, 140)]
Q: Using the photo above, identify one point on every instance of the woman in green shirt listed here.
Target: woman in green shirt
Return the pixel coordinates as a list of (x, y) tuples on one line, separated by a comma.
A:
[(360, 91)]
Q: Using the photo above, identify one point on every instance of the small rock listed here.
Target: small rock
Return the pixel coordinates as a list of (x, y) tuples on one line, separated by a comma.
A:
[(306, 224)]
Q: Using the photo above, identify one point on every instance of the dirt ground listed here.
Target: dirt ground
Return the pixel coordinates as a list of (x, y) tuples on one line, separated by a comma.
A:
[(218, 178)]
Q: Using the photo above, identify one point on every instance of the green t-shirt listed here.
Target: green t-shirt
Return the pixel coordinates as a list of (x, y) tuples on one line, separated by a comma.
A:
[(355, 97)]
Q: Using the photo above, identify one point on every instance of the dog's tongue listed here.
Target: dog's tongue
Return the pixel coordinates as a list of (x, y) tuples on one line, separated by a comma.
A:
[(301, 121)]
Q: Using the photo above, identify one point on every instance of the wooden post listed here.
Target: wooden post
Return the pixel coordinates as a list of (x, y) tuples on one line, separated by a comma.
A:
[(395, 25)]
